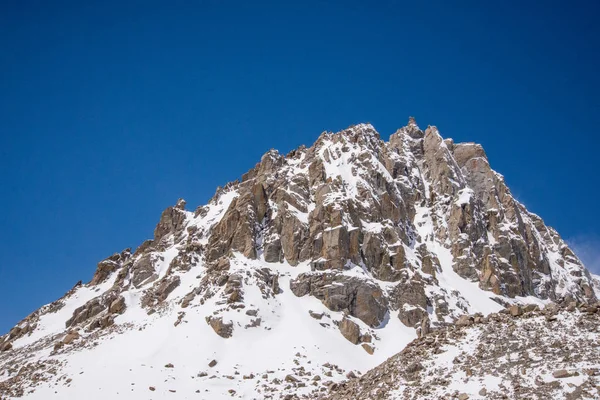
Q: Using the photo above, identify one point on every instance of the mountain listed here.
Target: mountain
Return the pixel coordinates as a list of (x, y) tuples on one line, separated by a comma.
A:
[(520, 353), (315, 266)]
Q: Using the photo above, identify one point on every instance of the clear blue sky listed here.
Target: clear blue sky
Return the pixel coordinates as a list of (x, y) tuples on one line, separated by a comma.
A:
[(110, 112)]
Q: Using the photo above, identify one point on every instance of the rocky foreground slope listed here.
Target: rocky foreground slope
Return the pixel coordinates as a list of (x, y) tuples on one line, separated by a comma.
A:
[(315, 265), (519, 353)]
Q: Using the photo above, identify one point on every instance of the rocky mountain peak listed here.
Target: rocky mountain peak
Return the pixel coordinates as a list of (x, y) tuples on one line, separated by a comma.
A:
[(412, 122), (337, 253), (411, 129)]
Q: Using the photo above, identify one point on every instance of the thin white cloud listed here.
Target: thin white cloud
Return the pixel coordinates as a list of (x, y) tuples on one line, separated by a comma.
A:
[(587, 248)]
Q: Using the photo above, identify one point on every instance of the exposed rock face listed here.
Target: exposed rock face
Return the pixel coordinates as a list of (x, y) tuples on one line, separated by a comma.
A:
[(411, 301), (171, 221), (353, 199), (143, 269), (361, 299), (110, 265), (117, 306), (93, 308)]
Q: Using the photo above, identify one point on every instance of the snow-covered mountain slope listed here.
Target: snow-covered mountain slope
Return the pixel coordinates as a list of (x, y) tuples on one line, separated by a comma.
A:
[(517, 354), (318, 263)]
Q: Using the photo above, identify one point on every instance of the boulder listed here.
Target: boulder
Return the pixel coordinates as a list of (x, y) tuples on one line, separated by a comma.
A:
[(530, 308), (515, 310), (71, 337), (117, 306), (350, 330), (563, 373), (6, 346), (368, 348), (464, 320), (223, 329)]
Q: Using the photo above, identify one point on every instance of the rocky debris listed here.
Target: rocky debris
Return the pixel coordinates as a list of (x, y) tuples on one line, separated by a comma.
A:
[(223, 329), (160, 290), (233, 288), (267, 281), (188, 257), (212, 363), (18, 380), (520, 349)]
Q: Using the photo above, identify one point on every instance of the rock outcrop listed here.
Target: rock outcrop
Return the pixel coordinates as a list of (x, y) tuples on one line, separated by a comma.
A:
[(357, 297)]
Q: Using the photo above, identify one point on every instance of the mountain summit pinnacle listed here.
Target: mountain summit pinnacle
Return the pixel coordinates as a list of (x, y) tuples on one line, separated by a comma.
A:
[(319, 263)]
